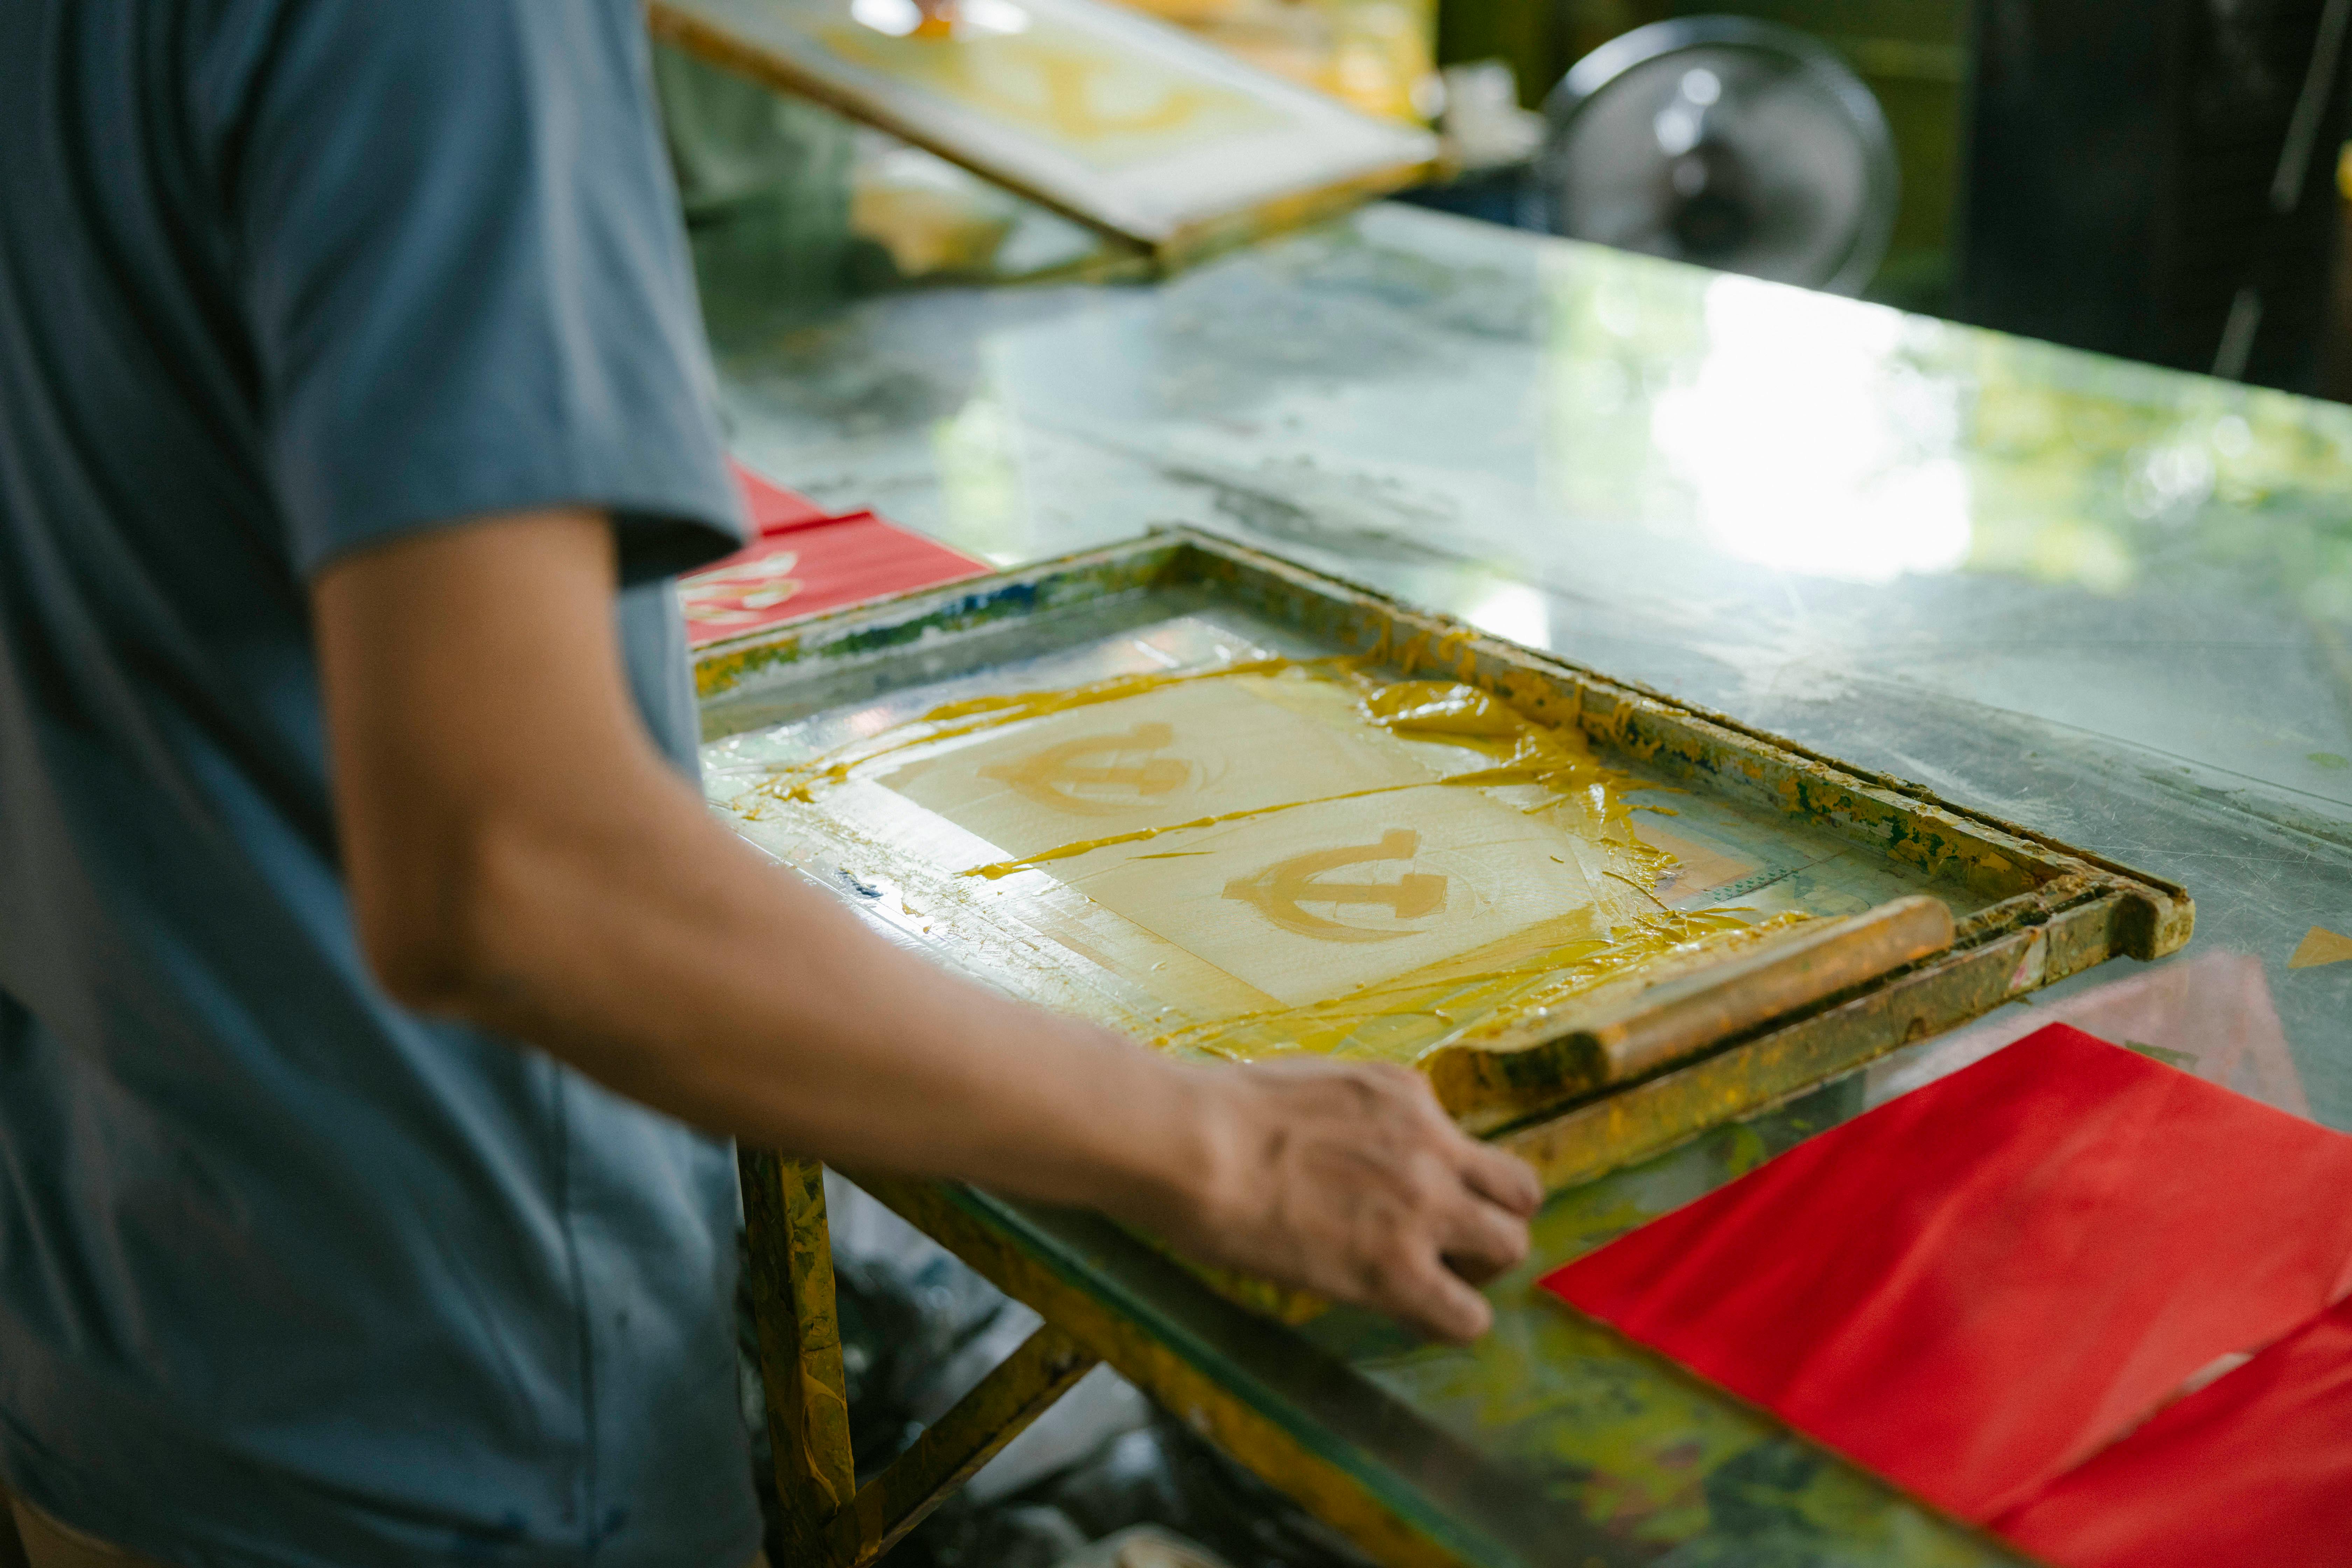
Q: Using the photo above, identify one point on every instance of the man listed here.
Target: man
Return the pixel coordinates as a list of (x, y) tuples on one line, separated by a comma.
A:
[(375, 993)]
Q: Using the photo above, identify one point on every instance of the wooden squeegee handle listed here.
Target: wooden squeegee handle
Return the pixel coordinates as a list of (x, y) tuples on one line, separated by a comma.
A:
[(1780, 979)]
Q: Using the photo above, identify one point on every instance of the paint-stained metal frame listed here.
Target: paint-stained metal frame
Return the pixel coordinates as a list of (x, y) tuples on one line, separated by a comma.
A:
[(829, 1519), (1408, 1494), (1405, 1492)]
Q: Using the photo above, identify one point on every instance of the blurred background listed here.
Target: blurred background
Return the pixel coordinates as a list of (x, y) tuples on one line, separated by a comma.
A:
[(2160, 182)]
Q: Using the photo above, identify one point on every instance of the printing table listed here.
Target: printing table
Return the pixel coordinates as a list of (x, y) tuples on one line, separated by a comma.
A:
[(2112, 603)]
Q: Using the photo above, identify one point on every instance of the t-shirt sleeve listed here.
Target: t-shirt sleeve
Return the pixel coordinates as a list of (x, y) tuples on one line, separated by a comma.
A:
[(466, 280)]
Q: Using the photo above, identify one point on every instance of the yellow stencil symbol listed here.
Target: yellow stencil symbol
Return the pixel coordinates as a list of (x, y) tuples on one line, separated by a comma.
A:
[(1105, 106), (1280, 888), (1052, 777), (1067, 104)]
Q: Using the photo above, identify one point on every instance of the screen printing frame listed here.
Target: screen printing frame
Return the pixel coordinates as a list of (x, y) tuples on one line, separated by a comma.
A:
[(1213, 1349), (2041, 910), (1316, 156)]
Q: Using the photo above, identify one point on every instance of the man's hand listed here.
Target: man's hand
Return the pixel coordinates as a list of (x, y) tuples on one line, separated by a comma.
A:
[(1349, 1179), (520, 855)]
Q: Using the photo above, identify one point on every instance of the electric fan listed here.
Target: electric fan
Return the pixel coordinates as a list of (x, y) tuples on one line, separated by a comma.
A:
[(1734, 143)]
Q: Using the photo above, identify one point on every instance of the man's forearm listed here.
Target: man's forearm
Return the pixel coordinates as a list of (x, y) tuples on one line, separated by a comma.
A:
[(536, 866), (665, 958), (518, 853)]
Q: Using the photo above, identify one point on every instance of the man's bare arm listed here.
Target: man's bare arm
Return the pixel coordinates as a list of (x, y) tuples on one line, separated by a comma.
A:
[(520, 855)]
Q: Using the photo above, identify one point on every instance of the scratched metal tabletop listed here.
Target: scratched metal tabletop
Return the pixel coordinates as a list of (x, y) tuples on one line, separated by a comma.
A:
[(2109, 602)]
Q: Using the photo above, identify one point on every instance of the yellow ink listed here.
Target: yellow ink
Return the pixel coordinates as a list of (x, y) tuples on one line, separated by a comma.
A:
[(2320, 945), (1279, 891), (1059, 777), (1278, 856), (1106, 107)]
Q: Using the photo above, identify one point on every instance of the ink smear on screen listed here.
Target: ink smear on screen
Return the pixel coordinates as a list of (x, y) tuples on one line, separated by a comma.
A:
[(1272, 857)]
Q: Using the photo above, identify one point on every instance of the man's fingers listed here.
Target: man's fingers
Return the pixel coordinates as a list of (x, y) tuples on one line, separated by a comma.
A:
[(1435, 1302), (1502, 1178), (1388, 1204), (1481, 1240)]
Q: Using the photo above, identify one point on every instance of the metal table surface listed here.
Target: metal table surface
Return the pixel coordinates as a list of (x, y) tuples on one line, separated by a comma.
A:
[(2109, 602)]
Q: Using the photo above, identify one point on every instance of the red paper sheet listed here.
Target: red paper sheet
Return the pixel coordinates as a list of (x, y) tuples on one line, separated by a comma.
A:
[(2254, 1470), (807, 560), (772, 508), (1976, 1287)]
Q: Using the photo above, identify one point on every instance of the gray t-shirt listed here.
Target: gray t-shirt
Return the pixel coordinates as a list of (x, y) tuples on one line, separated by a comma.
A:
[(288, 1275)]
